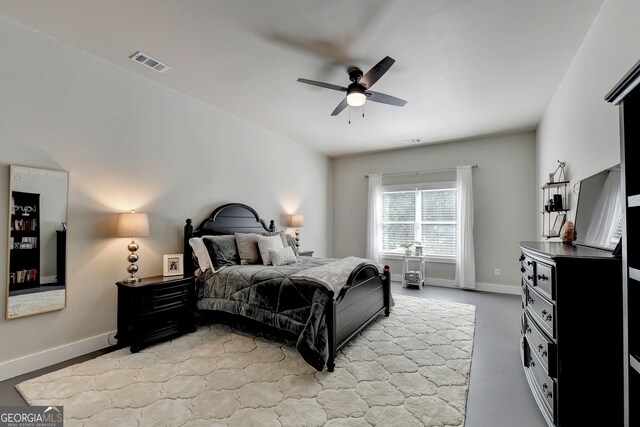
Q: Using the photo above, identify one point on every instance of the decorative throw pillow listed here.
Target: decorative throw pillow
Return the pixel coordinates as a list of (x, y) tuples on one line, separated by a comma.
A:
[(282, 256), (277, 233), (223, 250), (248, 248), (268, 242), (201, 253), (292, 243)]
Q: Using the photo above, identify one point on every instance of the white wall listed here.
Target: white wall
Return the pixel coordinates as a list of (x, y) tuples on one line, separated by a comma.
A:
[(578, 126), (129, 143), (504, 203)]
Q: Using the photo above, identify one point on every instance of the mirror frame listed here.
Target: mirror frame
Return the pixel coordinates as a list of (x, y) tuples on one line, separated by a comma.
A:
[(12, 171)]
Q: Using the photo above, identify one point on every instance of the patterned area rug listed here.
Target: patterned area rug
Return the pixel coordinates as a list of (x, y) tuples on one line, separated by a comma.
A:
[(410, 369)]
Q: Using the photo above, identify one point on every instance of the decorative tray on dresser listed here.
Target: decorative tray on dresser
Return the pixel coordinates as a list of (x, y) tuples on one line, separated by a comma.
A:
[(571, 340)]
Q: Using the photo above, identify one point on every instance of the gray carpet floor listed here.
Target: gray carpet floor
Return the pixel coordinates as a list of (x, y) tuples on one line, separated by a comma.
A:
[(498, 393)]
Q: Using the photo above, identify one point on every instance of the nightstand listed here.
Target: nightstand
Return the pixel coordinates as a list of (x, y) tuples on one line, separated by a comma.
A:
[(305, 253), (413, 270), (154, 310)]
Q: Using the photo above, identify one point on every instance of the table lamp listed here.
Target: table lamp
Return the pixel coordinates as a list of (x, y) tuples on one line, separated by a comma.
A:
[(132, 225), (297, 221)]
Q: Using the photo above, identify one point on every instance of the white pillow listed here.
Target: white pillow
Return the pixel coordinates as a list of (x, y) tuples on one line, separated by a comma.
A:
[(282, 256), (268, 242), (201, 252)]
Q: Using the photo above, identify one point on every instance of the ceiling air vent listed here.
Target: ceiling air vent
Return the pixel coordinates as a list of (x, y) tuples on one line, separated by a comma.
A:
[(148, 61)]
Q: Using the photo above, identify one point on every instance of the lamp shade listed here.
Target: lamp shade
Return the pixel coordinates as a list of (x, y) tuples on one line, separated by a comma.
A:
[(132, 225), (296, 220)]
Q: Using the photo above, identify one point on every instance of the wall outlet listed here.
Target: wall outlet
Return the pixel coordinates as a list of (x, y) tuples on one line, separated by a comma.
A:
[(496, 272)]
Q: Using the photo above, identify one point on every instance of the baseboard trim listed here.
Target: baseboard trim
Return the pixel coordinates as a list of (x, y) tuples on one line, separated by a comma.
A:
[(42, 359), (484, 287)]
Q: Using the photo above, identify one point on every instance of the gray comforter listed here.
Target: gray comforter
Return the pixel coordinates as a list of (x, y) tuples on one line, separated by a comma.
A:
[(277, 297)]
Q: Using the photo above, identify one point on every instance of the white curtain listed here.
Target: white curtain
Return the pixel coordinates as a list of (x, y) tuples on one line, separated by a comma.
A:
[(608, 211), (374, 218), (465, 257)]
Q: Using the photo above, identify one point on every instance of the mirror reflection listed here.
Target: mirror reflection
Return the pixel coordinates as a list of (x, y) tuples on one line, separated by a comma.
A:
[(37, 241)]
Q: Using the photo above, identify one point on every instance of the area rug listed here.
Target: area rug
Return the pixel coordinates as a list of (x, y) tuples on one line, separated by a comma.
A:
[(409, 369)]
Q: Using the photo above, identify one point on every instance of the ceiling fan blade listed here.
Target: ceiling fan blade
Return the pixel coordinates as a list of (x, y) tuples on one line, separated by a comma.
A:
[(340, 107), (378, 70), (324, 85), (384, 99)]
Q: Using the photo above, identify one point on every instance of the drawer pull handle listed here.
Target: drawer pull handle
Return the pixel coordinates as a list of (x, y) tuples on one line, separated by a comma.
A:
[(545, 386), (530, 300), (542, 277), (549, 318), (522, 269), (539, 347), (528, 330), (532, 363), (521, 258), (544, 353), (530, 277), (544, 312), (529, 263), (549, 395)]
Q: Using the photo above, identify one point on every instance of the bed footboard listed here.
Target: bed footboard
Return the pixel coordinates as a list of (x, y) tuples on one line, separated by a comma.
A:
[(366, 295)]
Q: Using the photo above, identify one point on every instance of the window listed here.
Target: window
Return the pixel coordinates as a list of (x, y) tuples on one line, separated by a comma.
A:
[(426, 214)]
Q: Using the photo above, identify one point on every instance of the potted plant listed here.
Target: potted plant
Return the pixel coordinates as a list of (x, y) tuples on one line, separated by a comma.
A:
[(407, 247)]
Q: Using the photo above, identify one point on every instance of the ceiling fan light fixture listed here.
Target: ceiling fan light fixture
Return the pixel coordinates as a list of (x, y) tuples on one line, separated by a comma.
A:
[(356, 97)]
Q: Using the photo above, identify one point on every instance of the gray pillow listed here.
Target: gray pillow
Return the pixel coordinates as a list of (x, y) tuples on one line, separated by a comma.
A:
[(223, 250), (248, 248), (292, 243)]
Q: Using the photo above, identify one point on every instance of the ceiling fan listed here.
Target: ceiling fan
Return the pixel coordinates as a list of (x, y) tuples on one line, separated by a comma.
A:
[(358, 91)]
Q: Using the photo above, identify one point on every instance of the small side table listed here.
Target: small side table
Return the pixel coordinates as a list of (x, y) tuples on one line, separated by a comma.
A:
[(305, 253), (413, 270), (154, 310)]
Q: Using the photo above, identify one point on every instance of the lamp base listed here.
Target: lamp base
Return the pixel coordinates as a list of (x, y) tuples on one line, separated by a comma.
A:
[(132, 279)]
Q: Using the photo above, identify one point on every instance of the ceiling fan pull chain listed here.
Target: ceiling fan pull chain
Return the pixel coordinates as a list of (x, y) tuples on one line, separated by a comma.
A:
[(349, 114), (363, 110)]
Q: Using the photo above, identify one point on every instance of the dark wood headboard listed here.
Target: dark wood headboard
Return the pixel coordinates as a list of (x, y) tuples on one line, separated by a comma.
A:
[(226, 219)]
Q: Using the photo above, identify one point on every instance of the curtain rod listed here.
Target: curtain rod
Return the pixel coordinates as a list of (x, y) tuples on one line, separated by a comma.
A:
[(419, 172)]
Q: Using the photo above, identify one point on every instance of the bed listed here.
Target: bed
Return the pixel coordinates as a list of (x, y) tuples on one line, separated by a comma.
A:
[(322, 301)]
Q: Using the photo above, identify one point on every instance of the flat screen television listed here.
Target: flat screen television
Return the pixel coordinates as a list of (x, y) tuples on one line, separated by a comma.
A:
[(598, 221)]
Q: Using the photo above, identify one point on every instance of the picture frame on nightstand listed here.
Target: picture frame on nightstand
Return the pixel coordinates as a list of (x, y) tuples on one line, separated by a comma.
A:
[(172, 265)]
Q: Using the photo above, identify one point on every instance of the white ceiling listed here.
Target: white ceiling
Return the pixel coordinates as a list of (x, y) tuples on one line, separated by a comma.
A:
[(466, 67)]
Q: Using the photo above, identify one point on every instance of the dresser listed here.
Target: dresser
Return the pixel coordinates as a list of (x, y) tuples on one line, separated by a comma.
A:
[(571, 333), (155, 309)]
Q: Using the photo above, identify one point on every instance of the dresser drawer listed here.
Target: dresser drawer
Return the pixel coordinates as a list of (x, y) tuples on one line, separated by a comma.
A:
[(542, 384), (527, 264), (544, 280), (541, 345), (542, 311)]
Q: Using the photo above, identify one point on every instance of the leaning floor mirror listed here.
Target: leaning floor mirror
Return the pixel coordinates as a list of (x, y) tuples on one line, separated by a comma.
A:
[(36, 241)]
